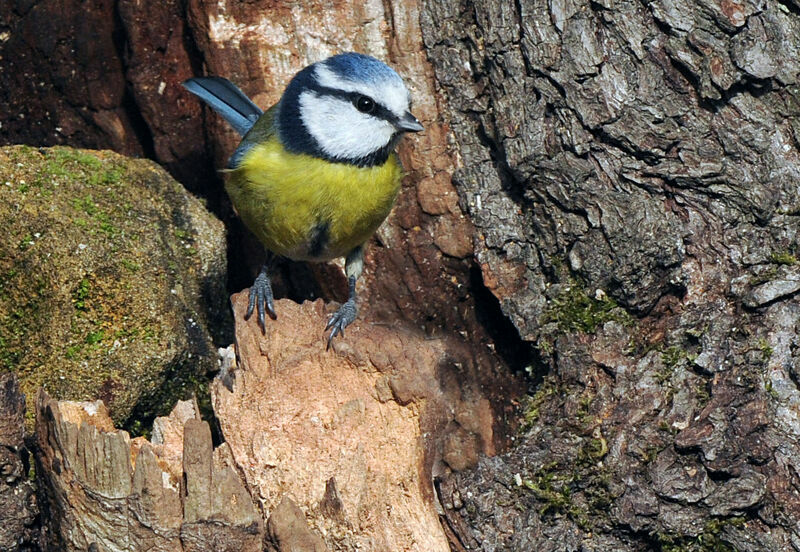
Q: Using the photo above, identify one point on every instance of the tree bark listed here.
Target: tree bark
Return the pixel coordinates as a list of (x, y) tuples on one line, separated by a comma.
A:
[(18, 507), (631, 169), (624, 185)]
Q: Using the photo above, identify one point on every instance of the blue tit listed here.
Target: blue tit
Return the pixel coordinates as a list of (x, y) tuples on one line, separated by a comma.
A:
[(316, 174)]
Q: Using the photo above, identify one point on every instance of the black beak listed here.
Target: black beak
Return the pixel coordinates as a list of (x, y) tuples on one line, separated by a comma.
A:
[(409, 123)]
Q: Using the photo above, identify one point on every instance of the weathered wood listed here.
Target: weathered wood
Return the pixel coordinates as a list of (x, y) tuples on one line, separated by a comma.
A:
[(289, 531), (348, 434), (107, 491)]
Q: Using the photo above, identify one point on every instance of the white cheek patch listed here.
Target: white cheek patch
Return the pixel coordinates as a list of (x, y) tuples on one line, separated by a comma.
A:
[(340, 129), (391, 93)]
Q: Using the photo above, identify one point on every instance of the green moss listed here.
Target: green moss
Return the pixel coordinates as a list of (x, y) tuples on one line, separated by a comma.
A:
[(672, 356), (783, 258), (73, 351), (80, 295), (130, 265), (710, 540), (584, 404), (702, 393), (593, 450), (110, 176), (550, 488), (67, 159), (572, 310), (650, 453), (580, 496), (579, 487), (765, 348), (78, 315), (766, 276), (545, 346), (770, 389), (531, 404), (92, 338), (25, 242), (85, 204)]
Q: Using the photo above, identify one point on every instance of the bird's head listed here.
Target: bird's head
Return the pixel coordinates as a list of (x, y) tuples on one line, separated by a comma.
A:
[(349, 108)]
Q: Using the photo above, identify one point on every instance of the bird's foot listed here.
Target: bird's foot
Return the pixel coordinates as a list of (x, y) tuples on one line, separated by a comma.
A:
[(341, 319), (261, 297)]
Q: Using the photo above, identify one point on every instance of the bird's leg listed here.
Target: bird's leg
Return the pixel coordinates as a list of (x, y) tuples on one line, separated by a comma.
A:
[(261, 297), (353, 266)]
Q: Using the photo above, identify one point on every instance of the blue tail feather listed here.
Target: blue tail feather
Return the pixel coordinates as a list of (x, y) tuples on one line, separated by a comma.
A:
[(226, 99)]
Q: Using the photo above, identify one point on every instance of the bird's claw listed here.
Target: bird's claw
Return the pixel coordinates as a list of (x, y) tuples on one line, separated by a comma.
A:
[(261, 297), (341, 319)]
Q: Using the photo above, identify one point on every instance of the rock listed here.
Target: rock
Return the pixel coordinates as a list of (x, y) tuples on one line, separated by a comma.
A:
[(18, 506), (111, 275), (114, 493)]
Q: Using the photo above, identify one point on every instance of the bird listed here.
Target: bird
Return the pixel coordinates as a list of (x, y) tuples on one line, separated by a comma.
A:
[(316, 174)]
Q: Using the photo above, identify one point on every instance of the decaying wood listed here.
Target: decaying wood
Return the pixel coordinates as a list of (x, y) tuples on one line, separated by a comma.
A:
[(327, 450), (352, 434), (113, 493)]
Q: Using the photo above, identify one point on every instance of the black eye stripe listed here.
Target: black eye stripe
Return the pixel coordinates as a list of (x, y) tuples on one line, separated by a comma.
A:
[(380, 111)]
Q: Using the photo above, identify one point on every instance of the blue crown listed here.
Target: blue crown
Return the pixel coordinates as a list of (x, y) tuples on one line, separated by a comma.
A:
[(359, 67)]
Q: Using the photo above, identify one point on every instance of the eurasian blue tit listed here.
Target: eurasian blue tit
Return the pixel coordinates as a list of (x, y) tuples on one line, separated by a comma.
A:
[(316, 174)]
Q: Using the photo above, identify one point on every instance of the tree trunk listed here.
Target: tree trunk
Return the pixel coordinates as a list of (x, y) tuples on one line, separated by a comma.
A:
[(632, 169), (624, 186)]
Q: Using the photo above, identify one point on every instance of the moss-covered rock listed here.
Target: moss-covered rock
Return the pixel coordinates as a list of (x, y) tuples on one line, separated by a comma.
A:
[(109, 274)]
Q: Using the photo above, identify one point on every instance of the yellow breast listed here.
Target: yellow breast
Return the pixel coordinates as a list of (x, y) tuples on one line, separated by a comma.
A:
[(306, 208)]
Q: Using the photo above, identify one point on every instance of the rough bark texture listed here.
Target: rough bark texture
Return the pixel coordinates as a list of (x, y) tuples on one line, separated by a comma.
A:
[(631, 169), (18, 507)]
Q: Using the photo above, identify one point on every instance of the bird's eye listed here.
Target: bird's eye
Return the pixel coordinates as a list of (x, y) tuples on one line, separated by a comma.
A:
[(365, 104)]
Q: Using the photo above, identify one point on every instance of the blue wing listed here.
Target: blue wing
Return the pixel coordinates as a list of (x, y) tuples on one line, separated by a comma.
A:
[(226, 99)]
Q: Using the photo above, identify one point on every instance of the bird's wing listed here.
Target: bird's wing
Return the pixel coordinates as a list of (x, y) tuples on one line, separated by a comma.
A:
[(227, 100), (261, 131)]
